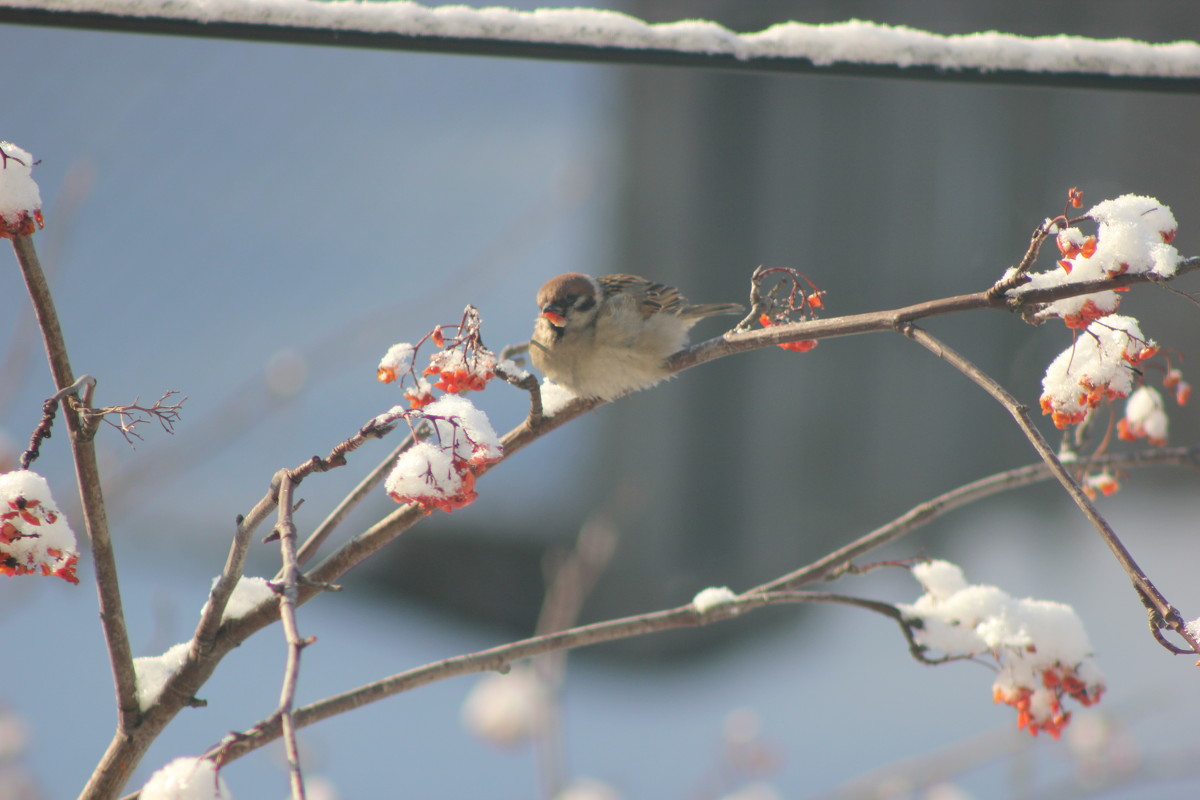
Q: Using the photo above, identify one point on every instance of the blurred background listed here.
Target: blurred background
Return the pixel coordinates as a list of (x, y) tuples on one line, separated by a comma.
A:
[(252, 225)]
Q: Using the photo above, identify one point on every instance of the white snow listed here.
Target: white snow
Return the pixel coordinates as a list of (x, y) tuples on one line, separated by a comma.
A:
[(18, 191), (555, 397), (1135, 231), (853, 41), (186, 779), (514, 371), (153, 672), (424, 470), (460, 425), (708, 599), (248, 594), (34, 535)]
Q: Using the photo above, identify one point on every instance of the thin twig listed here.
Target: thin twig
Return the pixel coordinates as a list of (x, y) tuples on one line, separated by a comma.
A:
[(1163, 613), (287, 591), (87, 473), (129, 417), (500, 658)]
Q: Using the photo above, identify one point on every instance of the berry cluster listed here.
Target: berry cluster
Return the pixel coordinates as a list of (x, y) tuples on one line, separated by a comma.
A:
[(787, 302), (1040, 708), (461, 364)]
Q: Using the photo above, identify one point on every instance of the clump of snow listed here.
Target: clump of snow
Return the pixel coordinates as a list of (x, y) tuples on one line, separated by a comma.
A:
[(555, 397), (424, 470), (35, 538), (186, 779), (511, 369), (248, 594), (1041, 647), (505, 710), (708, 599), (1135, 235), (153, 672), (19, 194)]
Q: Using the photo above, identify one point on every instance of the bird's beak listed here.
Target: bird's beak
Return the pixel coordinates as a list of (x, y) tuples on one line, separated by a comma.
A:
[(552, 315)]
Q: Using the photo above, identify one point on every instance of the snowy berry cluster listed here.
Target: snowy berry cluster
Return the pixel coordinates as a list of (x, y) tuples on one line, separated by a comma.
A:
[(1040, 647), (461, 364), (456, 440), (1134, 236), (20, 200), (35, 538), (440, 470)]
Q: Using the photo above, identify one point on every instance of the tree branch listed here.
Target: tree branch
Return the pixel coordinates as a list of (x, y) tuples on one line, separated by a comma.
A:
[(87, 473), (1163, 613), (287, 590), (498, 659), (231, 633), (775, 592)]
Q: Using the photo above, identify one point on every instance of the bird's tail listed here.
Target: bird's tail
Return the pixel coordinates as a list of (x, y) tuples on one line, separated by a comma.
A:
[(710, 310)]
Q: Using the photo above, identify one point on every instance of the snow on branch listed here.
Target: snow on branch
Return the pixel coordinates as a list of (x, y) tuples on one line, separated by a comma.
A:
[(853, 47)]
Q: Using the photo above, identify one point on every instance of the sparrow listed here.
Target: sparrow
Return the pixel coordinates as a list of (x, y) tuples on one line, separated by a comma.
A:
[(608, 336)]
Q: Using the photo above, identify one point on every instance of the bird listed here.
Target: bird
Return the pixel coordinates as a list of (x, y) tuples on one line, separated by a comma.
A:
[(606, 337)]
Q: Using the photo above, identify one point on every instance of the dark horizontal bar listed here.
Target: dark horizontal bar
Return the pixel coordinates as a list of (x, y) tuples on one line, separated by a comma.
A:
[(557, 51)]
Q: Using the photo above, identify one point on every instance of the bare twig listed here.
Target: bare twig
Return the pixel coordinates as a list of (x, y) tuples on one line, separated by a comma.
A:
[(1163, 614), (87, 472), (127, 418), (287, 591)]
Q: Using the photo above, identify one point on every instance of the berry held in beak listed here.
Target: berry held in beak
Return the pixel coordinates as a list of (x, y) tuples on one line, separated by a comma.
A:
[(554, 317)]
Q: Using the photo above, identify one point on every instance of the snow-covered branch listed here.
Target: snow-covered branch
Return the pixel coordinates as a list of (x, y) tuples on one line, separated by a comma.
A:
[(855, 47)]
